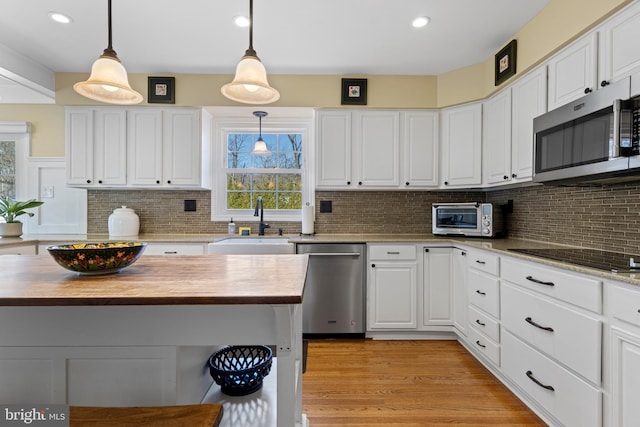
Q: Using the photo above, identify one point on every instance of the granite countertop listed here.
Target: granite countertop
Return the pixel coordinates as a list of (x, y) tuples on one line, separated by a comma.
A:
[(33, 280), (499, 246)]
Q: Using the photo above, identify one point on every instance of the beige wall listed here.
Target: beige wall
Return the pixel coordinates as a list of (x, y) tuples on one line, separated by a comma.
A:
[(560, 22)]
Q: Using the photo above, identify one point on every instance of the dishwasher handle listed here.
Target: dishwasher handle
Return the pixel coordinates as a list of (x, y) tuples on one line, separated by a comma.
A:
[(333, 254)]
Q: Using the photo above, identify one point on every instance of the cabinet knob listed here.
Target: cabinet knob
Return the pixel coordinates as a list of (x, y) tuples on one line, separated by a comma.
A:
[(359, 182), (463, 253), (88, 181), (168, 181), (514, 175), (406, 183), (587, 90), (348, 182), (604, 83), (100, 181), (158, 181), (426, 249), (505, 177), (373, 265), (446, 183)]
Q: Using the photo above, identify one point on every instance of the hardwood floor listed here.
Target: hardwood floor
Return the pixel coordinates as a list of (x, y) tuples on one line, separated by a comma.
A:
[(404, 383)]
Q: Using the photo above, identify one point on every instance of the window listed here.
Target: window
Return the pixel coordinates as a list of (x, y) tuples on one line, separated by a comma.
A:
[(8, 169), (281, 178)]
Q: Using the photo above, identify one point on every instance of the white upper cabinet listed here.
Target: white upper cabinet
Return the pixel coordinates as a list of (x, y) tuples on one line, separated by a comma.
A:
[(528, 100), (419, 144), (137, 147), (461, 146), (333, 154), (496, 134), (619, 55), (95, 147), (573, 71), (376, 149), (376, 136)]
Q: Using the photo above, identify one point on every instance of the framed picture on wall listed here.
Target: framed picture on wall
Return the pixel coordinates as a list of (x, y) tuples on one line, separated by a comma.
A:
[(162, 90), (505, 65), (354, 91)]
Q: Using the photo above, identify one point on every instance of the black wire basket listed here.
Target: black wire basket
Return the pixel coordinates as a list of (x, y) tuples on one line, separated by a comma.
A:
[(239, 370)]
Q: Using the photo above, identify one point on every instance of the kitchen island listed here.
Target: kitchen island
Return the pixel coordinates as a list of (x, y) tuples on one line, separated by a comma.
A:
[(142, 336)]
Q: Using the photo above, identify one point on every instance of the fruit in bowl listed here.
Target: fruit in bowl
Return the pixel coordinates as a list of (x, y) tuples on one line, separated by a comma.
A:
[(97, 258)]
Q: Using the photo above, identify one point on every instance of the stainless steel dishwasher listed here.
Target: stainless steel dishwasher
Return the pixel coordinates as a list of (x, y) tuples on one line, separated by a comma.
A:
[(334, 293)]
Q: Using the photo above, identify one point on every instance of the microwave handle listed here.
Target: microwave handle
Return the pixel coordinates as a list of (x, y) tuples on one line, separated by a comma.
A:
[(616, 127)]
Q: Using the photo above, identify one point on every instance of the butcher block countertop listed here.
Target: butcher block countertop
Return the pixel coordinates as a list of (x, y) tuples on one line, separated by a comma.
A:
[(34, 280)]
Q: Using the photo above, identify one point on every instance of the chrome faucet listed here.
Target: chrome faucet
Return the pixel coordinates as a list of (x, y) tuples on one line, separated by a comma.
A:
[(260, 211)]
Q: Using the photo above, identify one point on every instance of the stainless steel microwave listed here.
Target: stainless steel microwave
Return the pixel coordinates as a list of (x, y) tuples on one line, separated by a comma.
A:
[(472, 219), (588, 140)]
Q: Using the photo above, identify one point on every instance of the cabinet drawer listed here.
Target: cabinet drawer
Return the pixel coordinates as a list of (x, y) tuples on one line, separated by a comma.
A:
[(582, 291), (19, 250), (484, 261), (485, 345), (567, 397), (558, 331), (625, 304), (484, 323), (392, 252), (484, 292), (174, 249)]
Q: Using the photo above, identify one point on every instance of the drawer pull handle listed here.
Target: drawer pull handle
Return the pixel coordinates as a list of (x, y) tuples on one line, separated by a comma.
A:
[(532, 378), (531, 322), (480, 262), (481, 345), (170, 252), (480, 292), (480, 323), (540, 282), (393, 253)]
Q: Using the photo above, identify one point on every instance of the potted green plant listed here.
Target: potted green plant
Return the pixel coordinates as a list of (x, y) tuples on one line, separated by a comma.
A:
[(12, 209)]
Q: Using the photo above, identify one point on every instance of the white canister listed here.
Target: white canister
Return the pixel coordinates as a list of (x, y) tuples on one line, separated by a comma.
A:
[(123, 222)]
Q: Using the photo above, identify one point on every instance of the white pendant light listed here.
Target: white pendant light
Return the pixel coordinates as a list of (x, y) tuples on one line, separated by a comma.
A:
[(250, 85), (260, 147), (108, 81)]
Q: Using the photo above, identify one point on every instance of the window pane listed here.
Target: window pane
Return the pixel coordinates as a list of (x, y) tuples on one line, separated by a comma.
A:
[(8, 169), (290, 182), (237, 160), (268, 199), (239, 142), (238, 182), (287, 200), (264, 182), (238, 200)]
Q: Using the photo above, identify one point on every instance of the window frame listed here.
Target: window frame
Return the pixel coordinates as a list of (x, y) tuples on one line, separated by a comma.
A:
[(241, 120)]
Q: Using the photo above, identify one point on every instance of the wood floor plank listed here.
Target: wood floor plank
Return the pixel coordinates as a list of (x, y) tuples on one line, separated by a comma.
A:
[(404, 383)]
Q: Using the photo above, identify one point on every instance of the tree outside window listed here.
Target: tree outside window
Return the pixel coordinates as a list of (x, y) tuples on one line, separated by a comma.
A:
[(8, 169)]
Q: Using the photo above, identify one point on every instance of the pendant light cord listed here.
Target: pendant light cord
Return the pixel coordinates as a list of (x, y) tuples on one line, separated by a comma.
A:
[(250, 51), (109, 52)]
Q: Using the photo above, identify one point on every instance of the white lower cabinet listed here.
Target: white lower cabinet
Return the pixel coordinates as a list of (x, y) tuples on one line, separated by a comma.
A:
[(437, 264), (392, 283), (460, 302), (555, 390), (175, 249), (624, 305)]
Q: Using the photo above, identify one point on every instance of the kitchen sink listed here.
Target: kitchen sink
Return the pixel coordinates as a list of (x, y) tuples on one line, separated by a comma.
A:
[(252, 245)]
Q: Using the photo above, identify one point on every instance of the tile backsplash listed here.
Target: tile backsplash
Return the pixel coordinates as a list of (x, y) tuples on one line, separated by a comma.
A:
[(604, 217)]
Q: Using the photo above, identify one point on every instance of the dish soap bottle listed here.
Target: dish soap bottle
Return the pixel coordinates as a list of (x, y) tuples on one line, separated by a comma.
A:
[(231, 228)]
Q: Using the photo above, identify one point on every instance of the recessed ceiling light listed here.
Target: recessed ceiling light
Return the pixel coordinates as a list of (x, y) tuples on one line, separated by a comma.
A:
[(420, 21), (60, 17), (241, 21)]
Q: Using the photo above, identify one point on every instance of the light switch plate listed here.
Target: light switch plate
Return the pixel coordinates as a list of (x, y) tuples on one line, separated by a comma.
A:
[(47, 192)]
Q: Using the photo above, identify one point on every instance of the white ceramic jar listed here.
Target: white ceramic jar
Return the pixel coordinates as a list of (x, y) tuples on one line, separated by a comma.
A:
[(123, 222)]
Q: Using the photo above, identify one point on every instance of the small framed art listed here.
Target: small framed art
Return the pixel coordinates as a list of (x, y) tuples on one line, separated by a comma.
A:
[(162, 90), (505, 65), (354, 91)]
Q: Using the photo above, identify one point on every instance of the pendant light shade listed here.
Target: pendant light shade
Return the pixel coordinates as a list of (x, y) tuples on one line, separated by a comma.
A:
[(108, 81), (250, 85), (260, 147)]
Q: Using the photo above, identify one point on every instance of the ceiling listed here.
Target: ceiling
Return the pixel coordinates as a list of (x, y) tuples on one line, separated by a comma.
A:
[(337, 37)]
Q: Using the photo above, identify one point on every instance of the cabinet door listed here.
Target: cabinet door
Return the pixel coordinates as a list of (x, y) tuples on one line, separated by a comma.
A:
[(144, 135), (392, 295), (333, 154), (459, 284), (572, 72), (528, 100), (496, 134), (436, 282), (420, 149), (377, 148), (462, 145), (79, 146), (625, 378), (110, 161), (182, 148), (619, 55)]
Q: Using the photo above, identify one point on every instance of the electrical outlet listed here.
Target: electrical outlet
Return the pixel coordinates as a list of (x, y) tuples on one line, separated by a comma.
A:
[(47, 192), (189, 205), (325, 206)]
